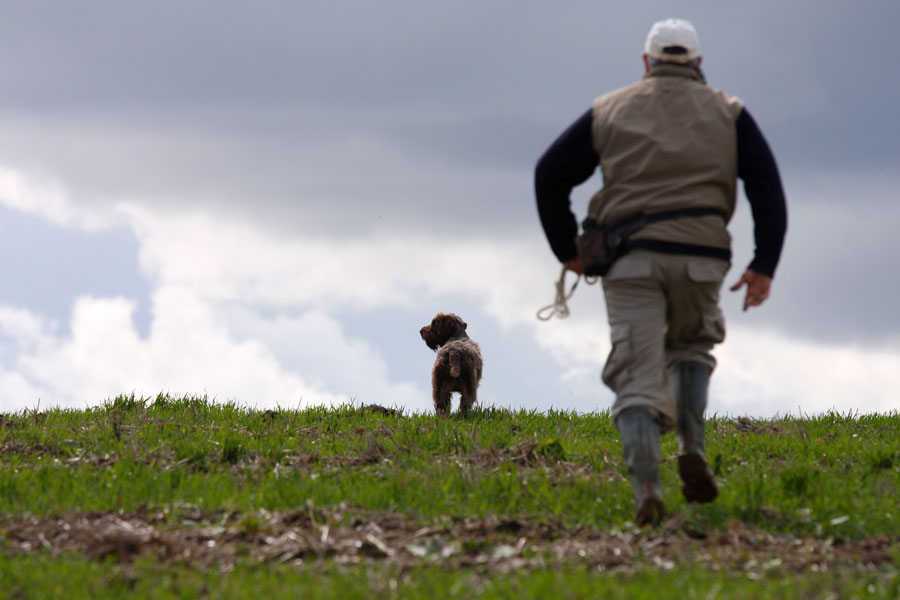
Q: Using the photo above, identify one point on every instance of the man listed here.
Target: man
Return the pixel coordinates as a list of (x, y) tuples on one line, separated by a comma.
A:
[(671, 148)]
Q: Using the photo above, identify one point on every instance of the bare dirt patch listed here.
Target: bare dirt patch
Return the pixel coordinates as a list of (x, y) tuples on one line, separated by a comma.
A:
[(745, 425), (221, 539)]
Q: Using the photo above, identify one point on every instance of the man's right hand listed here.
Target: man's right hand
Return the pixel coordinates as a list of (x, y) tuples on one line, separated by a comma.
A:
[(758, 286), (574, 264)]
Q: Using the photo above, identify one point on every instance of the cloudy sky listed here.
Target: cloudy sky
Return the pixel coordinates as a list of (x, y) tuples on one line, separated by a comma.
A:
[(263, 201)]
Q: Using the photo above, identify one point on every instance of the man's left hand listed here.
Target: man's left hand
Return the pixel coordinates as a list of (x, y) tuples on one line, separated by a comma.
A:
[(758, 286)]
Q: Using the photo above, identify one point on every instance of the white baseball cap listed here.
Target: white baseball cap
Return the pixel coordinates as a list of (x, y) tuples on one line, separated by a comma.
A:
[(673, 33)]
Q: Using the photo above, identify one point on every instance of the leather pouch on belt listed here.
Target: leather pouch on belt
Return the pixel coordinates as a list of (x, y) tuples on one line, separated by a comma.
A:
[(596, 257), (600, 245)]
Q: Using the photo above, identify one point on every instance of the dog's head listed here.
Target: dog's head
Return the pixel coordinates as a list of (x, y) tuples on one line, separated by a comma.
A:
[(444, 327)]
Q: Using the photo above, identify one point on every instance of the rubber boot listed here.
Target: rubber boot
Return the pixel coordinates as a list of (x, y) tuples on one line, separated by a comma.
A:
[(640, 443), (690, 382)]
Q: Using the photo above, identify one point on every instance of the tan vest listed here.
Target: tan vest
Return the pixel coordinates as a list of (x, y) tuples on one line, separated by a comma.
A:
[(667, 142)]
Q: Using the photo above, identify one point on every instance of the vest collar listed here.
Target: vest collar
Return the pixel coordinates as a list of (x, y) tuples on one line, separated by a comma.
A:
[(676, 70)]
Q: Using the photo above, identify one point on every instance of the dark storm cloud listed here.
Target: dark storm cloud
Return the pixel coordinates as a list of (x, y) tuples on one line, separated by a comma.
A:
[(836, 280), (77, 55), (817, 72), (824, 86), (342, 118)]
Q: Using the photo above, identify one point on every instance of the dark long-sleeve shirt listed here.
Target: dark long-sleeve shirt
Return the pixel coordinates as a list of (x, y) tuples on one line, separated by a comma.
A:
[(572, 159)]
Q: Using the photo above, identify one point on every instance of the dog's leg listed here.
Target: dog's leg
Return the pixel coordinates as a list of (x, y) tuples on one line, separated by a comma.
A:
[(441, 394), (442, 402), (465, 402), (469, 396)]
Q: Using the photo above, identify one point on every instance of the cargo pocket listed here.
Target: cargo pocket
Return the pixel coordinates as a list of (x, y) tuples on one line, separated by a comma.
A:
[(708, 274), (618, 363), (713, 328)]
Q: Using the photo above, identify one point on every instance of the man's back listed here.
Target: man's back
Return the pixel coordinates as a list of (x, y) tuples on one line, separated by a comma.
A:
[(667, 143)]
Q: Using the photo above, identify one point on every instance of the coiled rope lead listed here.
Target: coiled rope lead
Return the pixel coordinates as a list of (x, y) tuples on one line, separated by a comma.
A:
[(560, 306)]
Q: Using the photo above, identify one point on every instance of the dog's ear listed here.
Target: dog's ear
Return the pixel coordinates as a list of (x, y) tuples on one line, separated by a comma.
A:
[(460, 324), (445, 324), (439, 325), (451, 325)]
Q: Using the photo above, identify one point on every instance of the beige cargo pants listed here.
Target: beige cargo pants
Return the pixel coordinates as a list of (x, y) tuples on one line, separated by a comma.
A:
[(662, 309)]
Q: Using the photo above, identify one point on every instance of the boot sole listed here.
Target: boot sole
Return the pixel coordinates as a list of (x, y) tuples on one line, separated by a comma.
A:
[(699, 484), (650, 512)]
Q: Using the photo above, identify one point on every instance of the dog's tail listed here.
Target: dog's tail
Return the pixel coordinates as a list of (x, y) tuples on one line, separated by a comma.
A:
[(454, 363)]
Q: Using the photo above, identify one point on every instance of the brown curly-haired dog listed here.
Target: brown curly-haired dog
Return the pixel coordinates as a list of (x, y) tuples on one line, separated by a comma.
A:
[(457, 367)]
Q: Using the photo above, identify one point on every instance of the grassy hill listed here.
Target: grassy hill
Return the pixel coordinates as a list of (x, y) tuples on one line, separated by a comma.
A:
[(182, 497)]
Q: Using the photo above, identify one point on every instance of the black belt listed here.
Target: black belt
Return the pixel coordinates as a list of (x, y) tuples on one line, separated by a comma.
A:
[(678, 248), (617, 234)]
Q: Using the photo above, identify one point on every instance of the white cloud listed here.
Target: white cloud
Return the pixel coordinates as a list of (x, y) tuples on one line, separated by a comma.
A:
[(763, 373), (239, 313), (328, 356), (187, 352), (223, 260), (45, 197)]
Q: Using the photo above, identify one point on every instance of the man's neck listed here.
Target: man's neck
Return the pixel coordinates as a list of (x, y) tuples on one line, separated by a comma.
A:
[(671, 69)]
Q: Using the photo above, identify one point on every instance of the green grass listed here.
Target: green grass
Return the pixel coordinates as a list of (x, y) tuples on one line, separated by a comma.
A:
[(788, 475), (832, 478), (72, 578)]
